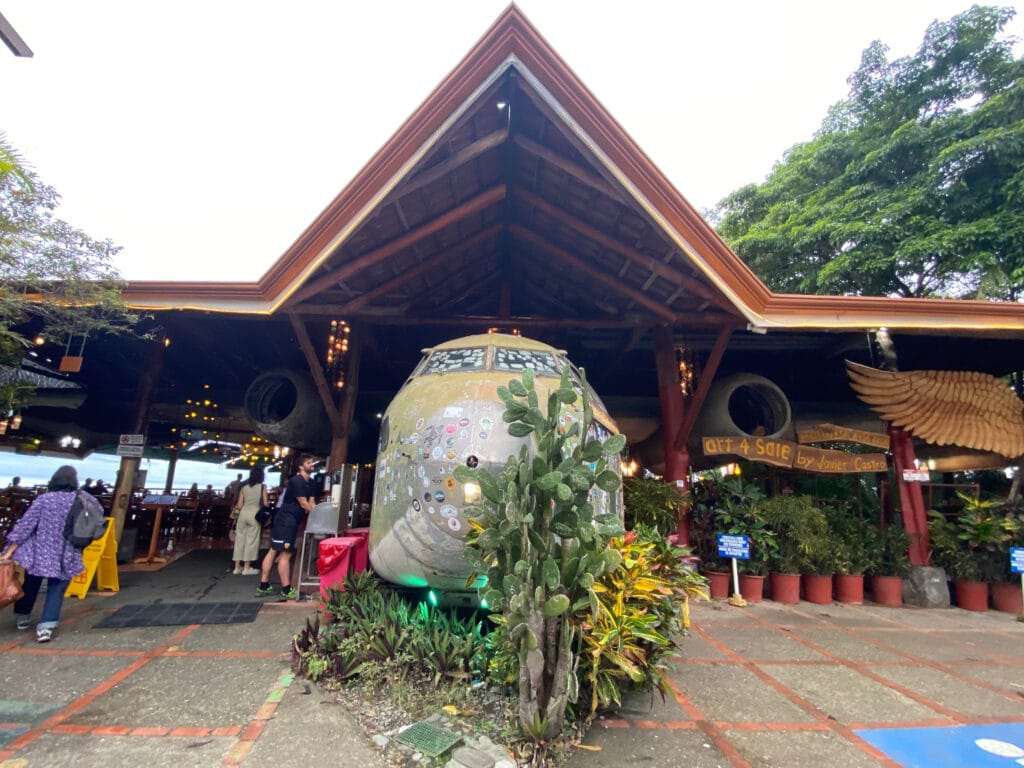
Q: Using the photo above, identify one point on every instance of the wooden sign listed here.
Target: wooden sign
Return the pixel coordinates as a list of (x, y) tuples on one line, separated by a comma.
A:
[(838, 462), (783, 453), (779, 453), (100, 560), (832, 433)]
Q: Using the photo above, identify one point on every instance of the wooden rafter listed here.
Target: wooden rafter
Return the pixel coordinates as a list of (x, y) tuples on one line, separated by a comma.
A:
[(578, 172), (414, 272), (469, 208), (656, 307), (317, 371), (703, 387), (642, 261), (465, 155)]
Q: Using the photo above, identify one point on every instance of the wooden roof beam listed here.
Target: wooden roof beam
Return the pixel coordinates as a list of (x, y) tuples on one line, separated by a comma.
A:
[(577, 172), (469, 208), (465, 155), (425, 266), (644, 261), (656, 307)]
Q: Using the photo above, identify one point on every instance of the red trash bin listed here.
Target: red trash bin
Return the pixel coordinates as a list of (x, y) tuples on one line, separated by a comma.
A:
[(333, 562), (361, 556)]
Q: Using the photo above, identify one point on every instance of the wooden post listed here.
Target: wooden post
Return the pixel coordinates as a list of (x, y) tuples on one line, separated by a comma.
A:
[(172, 462), (915, 519), (677, 460), (149, 379), (347, 407)]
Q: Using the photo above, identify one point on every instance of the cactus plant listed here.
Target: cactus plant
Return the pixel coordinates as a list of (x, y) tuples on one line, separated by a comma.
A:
[(542, 546)]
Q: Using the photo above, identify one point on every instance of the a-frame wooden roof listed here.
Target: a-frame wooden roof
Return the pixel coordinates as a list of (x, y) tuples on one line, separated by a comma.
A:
[(512, 195)]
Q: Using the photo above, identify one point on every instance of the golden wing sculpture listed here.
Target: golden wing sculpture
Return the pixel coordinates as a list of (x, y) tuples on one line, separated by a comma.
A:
[(966, 408)]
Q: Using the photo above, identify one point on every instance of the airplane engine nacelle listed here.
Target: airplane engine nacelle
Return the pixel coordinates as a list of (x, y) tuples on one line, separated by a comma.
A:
[(286, 409), (745, 405)]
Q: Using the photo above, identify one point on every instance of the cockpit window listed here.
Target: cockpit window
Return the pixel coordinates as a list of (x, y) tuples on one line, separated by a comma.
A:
[(450, 360), (539, 362)]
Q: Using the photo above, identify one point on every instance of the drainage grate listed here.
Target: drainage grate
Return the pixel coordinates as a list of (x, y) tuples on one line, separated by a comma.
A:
[(429, 739)]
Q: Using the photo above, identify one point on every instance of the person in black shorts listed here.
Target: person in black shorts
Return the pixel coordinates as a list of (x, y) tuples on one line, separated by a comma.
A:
[(299, 500)]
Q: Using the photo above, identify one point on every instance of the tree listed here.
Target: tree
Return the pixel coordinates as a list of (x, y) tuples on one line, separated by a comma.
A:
[(54, 278), (914, 184)]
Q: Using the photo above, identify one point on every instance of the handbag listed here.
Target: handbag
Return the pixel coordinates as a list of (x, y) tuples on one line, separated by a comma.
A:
[(10, 587), (264, 515)]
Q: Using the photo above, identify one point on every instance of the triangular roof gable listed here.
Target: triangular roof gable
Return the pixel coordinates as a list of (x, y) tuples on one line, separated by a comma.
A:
[(513, 41)]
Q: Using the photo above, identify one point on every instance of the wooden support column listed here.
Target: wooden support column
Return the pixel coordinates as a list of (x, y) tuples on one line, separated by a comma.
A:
[(677, 460), (915, 519), (149, 380), (172, 463), (347, 408), (707, 374)]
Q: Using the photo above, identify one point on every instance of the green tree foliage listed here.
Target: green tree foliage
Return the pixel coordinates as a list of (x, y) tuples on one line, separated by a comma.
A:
[(51, 273), (913, 186)]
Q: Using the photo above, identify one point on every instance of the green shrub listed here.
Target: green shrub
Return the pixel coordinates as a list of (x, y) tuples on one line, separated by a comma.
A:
[(652, 503)]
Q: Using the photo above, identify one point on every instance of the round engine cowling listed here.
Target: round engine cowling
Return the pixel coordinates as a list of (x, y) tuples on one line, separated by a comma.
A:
[(285, 409), (745, 405)]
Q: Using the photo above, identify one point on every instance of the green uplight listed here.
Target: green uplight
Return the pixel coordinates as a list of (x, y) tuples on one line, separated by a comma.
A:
[(483, 602), (432, 598)]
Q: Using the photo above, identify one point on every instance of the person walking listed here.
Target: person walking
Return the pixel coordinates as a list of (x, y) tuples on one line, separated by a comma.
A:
[(36, 542), (251, 496), (299, 500)]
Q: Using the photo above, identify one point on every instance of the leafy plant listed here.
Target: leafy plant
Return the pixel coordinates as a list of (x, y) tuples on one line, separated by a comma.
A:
[(799, 526), (739, 511), (542, 546), (856, 541), (893, 548), (641, 606), (652, 503)]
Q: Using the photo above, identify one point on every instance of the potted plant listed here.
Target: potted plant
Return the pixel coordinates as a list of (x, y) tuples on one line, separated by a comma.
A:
[(890, 566), (739, 512), (1006, 588), (818, 566), (703, 499), (856, 552), (795, 520), (965, 548)]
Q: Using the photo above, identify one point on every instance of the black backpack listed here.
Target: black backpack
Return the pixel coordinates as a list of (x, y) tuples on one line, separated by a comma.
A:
[(84, 524)]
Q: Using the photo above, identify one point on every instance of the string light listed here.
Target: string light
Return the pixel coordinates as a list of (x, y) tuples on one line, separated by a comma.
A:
[(337, 349), (688, 370)]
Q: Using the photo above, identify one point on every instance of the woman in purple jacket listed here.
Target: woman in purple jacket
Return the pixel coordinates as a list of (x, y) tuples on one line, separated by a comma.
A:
[(37, 543)]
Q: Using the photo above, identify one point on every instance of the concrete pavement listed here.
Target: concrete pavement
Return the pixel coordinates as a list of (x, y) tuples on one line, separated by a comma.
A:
[(767, 685)]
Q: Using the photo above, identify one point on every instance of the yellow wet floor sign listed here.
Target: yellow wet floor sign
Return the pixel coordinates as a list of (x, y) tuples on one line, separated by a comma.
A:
[(100, 559)]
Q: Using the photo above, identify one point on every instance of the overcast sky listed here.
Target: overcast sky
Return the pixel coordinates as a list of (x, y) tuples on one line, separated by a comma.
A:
[(204, 136)]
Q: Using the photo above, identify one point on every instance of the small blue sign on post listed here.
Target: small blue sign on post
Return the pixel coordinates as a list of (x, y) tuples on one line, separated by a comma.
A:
[(1017, 559), (734, 545)]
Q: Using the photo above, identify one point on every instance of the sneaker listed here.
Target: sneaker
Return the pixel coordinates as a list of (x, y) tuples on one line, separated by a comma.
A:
[(250, 572), (23, 624), (237, 572), (43, 635), (260, 592), (290, 594)]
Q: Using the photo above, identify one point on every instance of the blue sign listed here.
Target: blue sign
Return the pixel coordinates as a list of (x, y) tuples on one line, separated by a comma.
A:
[(733, 545), (1017, 559), (999, 745)]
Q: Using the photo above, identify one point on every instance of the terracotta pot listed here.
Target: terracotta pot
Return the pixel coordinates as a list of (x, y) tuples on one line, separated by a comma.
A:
[(817, 589), (887, 590), (849, 588), (718, 584), (1006, 597), (785, 587), (751, 587), (971, 595)]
